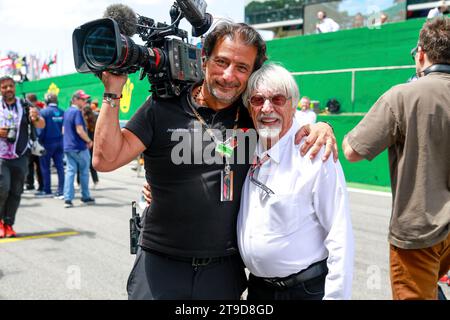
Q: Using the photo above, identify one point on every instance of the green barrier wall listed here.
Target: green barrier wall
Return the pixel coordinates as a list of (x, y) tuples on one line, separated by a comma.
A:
[(359, 48), (134, 94), (387, 46), (375, 172)]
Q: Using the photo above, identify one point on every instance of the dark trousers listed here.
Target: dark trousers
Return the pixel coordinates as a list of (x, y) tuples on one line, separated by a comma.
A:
[(34, 166), (94, 173), (157, 277), (55, 151), (12, 178), (313, 289)]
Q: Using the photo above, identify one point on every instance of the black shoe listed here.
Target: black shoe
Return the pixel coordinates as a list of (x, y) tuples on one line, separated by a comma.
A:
[(88, 201), (68, 204), (42, 194)]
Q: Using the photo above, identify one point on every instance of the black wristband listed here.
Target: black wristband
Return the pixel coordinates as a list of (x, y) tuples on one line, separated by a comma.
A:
[(112, 96)]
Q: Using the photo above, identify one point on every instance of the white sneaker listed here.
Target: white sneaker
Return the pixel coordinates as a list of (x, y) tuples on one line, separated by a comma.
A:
[(58, 196)]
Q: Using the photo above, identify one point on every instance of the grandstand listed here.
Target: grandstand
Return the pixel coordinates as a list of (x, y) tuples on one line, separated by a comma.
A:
[(295, 17)]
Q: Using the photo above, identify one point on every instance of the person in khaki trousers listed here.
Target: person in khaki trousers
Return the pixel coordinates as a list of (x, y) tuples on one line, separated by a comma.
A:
[(412, 121)]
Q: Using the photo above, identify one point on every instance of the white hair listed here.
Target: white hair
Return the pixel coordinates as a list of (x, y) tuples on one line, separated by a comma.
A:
[(275, 77)]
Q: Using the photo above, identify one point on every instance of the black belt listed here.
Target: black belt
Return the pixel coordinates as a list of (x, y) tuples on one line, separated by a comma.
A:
[(313, 271), (195, 262)]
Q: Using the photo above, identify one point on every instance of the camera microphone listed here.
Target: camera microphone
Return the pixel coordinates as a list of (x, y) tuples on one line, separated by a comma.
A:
[(124, 16), (195, 12)]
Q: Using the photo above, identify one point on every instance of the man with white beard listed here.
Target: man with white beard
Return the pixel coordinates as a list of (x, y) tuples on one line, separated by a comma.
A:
[(294, 227)]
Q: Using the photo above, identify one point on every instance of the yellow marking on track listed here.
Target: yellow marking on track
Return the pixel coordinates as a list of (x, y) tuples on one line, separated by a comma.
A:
[(42, 236)]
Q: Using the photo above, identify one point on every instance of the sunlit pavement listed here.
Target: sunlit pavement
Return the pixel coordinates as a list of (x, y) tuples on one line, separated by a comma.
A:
[(83, 252)]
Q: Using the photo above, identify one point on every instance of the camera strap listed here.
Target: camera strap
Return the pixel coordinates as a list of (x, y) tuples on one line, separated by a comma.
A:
[(443, 68), (31, 127), (226, 150)]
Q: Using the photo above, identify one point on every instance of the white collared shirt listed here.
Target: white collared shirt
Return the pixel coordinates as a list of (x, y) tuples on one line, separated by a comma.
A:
[(327, 25), (433, 13), (305, 221), (305, 117)]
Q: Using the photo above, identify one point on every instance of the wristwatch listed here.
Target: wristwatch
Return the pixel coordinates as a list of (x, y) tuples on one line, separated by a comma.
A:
[(110, 97)]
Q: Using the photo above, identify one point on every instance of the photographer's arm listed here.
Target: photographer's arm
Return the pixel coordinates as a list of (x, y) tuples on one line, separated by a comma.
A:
[(113, 147), (350, 153)]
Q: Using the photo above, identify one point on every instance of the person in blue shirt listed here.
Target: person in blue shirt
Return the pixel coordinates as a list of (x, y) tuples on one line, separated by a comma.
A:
[(51, 137), (76, 148)]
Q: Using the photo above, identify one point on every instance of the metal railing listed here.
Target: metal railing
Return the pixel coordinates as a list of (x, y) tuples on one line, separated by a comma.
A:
[(353, 71)]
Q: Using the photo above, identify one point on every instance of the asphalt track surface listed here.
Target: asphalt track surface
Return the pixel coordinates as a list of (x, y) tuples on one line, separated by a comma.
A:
[(82, 253)]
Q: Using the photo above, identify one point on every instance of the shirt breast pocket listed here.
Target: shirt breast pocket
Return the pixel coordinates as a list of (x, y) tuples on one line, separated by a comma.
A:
[(286, 212)]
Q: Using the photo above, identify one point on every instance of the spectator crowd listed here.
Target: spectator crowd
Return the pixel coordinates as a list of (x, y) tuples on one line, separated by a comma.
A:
[(67, 137)]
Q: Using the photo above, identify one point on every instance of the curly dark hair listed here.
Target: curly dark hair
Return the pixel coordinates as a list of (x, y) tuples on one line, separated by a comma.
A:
[(90, 118), (3, 78), (241, 31), (435, 40)]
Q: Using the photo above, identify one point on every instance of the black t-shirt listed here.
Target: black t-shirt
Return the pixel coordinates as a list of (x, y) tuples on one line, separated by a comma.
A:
[(186, 217)]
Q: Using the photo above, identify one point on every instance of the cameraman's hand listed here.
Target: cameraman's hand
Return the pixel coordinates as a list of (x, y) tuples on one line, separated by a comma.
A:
[(3, 132), (114, 83), (34, 114), (147, 192)]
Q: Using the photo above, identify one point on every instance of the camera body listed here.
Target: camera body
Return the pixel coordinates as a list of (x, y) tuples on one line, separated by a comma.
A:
[(168, 61), (135, 229), (37, 149), (182, 65), (12, 135)]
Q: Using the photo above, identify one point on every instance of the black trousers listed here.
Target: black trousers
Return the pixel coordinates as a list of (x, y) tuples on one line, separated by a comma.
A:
[(156, 277), (34, 165), (313, 289), (12, 178)]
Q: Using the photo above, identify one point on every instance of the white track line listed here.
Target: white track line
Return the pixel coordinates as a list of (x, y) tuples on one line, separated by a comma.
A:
[(370, 192)]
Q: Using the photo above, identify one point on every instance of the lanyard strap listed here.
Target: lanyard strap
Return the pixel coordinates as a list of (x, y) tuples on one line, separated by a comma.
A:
[(9, 108), (208, 128), (257, 163)]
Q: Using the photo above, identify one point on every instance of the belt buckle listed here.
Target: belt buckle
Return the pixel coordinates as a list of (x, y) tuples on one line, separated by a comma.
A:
[(200, 262), (280, 284), (274, 282)]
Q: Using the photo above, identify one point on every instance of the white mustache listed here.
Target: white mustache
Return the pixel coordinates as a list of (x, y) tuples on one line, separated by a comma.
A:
[(268, 117)]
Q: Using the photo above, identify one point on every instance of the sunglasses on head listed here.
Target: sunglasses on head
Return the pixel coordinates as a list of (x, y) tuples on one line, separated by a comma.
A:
[(277, 100)]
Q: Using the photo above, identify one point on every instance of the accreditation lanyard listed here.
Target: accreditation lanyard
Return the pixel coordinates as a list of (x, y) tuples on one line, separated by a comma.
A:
[(226, 149)]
